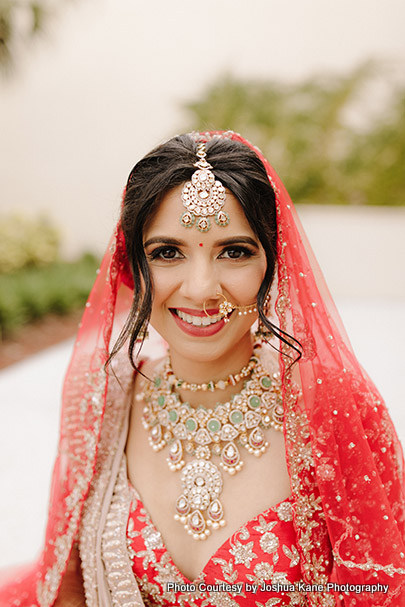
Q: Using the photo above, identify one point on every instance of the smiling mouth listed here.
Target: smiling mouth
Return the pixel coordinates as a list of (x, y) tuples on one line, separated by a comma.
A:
[(197, 321)]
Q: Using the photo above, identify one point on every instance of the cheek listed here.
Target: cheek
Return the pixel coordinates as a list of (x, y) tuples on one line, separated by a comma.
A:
[(245, 284), (164, 283)]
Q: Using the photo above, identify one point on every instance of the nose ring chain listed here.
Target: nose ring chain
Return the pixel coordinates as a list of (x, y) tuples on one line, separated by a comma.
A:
[(227, 307)]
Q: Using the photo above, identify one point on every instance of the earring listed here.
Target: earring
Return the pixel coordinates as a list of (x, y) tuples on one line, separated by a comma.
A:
[(262, 331), (266, 305), (143, 333)]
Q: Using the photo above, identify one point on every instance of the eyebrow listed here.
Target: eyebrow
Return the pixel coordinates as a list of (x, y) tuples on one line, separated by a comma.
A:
[(218, 243), (164, 240), (237, 240)]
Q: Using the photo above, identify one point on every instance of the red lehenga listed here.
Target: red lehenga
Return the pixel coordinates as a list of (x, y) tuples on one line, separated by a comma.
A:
[(258, 564), (344, 458)]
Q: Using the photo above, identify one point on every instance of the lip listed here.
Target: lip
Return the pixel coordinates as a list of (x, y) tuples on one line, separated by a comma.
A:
[(194, 330)]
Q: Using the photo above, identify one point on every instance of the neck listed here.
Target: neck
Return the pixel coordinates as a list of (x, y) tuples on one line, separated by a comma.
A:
[(215, 369)]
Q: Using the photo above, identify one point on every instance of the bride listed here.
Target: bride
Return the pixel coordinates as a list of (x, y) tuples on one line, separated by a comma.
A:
[(254, 463)]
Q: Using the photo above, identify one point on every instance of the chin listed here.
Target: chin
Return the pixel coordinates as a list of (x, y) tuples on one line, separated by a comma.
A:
[(205, 351)]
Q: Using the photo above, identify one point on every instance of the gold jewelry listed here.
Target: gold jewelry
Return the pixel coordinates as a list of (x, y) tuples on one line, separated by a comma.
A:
[(143, 333), (203, 196), (203, 433), (211, 385), (262, 332), (226, 307)]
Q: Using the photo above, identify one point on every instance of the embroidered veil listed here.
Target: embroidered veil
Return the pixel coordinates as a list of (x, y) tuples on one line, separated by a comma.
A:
[(344, 458)]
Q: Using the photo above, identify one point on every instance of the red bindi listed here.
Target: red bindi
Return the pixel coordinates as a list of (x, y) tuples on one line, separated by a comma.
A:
[(200, 244)]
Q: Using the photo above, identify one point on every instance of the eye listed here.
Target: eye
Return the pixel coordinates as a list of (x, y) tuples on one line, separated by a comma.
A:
[(236, 252), (165, 253)]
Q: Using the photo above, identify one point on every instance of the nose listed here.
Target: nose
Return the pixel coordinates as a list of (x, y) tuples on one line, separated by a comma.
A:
[(200, 283)]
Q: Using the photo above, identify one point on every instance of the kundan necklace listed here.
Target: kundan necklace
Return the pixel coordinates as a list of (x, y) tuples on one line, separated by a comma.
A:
[(232, 379), (203, 433)]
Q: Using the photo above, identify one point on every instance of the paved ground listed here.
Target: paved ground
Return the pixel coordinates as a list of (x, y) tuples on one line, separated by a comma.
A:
[(30, 397)]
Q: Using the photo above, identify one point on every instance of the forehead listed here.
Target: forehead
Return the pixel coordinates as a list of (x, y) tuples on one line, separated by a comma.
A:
[(166, 220)]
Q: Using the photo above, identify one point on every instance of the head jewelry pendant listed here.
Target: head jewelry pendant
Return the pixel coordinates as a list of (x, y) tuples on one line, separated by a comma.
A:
[(203, 196)]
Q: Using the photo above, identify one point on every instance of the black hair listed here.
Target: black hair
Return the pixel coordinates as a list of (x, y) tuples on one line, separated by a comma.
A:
[(169, 165)]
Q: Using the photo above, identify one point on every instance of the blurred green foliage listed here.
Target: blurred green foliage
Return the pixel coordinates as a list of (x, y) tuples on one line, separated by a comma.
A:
[(33, 281), (20, 21), (33, 292), (26, 241), (303, 130)]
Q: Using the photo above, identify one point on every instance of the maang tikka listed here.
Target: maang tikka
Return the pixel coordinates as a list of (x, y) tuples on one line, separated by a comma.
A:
[(203, 196)]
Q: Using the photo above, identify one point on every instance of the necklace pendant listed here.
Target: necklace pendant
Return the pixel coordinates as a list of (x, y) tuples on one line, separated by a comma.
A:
[(229, 432), (203, 452), (182, 509), (175, 459), (230, 458), (277, 415), (196, 526), (156, 440), (215, 515), (252, 419), (202, 437), (202, 485), (180, 431), (257, 443)]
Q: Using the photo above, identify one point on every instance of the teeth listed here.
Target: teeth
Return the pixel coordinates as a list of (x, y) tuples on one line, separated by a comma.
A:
[(198, 321)]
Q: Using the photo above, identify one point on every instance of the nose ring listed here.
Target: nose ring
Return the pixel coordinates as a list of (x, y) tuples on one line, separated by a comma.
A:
[(227, 307)]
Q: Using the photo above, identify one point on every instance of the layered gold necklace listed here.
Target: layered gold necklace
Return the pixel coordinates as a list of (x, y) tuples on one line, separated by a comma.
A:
[(201, 434)]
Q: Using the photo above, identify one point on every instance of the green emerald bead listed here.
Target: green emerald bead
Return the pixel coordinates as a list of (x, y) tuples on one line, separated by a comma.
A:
[(158, 381), (191, 424), (254, 402), (236, 417), (161, 400), (266, 381), (173, 416), (214, 425)]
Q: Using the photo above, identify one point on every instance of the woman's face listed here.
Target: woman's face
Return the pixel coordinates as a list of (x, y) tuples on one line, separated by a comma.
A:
[(191, 270)]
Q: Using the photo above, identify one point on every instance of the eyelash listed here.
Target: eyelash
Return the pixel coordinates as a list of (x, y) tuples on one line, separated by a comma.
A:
[(157, 253), (246, 253)]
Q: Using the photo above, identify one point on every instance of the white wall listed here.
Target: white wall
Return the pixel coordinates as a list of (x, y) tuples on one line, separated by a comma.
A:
[(361, 250), (107, 82)]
